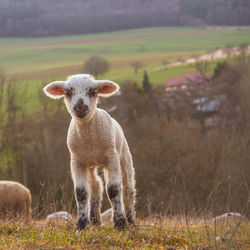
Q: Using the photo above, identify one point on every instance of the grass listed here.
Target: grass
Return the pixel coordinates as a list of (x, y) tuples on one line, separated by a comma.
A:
[(32, 66), (167, 234), (151, 46)]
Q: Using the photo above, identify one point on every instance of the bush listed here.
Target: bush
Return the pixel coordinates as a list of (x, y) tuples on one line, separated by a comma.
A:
[(96, 66)]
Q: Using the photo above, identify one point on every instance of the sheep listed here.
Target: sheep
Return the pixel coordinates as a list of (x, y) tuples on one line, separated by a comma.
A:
[(64, 218), (106, 217), (59, 218), (228, 218), (15, 199), (96, 140)]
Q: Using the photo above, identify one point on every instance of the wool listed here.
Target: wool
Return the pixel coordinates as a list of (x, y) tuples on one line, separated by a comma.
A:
[(96, 140), (15, 199)]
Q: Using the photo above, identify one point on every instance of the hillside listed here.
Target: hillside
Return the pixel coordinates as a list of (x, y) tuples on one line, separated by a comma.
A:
[(51, 57), (30, 18)]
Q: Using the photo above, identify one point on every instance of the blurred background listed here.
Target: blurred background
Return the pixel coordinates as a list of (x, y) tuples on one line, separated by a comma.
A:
[(183, 67)]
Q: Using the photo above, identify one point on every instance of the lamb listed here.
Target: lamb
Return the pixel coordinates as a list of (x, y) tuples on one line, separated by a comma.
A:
[(59, 218), (228, 218), (95, 140), (15, 199)]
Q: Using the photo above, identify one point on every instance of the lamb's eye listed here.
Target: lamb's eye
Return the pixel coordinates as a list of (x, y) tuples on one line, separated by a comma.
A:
[(92, 92), (68, 92)]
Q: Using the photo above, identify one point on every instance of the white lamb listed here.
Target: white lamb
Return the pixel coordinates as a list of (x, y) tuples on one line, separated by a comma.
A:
[(96, 140)]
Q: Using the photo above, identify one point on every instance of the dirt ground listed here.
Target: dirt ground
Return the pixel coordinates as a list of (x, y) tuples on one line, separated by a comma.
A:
[(220, 53)]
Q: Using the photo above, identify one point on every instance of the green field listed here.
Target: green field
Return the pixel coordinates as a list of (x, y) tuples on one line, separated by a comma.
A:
[(56, 57)]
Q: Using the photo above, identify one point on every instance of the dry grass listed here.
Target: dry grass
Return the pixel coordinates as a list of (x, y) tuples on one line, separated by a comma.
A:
[(174, 233)]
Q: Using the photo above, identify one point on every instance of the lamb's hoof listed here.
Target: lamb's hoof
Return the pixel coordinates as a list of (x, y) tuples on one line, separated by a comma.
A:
[(82, 223), (131, 220), (120, 223), (95, 220), (132, 223)]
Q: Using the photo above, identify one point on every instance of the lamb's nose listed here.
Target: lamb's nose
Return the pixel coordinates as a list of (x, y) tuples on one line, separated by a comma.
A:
[(80, 108), (80, 105)]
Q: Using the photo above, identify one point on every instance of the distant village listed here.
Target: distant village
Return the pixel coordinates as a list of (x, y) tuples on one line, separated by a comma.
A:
[(186, 81), (191, 81)]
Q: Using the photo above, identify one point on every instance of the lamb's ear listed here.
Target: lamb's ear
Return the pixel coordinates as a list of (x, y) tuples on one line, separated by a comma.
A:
[(54, 89), (107, 88)]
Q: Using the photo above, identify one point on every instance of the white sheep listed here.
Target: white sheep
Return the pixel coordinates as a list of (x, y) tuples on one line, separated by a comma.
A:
[(95, 140), (59, 218), (15, 199), (228, 218)]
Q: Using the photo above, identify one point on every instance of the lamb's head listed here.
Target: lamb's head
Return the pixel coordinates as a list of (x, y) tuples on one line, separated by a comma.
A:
[(80, 93)]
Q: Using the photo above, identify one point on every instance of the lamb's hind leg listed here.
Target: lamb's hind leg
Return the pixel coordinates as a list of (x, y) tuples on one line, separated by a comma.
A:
[(114, 190), (129, 191), (96, 187)]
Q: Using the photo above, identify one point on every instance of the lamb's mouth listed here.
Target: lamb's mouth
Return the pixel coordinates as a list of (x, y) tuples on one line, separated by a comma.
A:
[(81, 114), (80, 110)]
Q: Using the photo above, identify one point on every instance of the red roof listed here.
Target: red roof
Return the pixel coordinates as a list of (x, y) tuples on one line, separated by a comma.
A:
[(188, 79)]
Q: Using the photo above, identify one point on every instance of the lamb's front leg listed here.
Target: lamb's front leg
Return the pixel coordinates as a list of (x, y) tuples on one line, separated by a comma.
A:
[(80, 175), (114, 186), (96, 187)]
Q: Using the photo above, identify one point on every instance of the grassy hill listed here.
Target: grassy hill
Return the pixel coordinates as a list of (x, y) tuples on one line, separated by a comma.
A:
[(55, 57), (33, 62)]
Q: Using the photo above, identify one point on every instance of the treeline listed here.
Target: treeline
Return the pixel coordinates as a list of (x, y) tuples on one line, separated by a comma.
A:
[(181, 164), (50, 18)]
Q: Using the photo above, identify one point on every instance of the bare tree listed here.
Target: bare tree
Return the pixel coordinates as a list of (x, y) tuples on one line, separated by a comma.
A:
[(96, 66), (2, 113), (202, 66), (2, 83), (243, 53), (136, 65), (165, 63), (228, 50)]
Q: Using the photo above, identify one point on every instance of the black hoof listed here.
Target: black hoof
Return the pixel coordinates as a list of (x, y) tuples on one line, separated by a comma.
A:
[(95, 220), (131, 219), (120, 223), (82, 223)]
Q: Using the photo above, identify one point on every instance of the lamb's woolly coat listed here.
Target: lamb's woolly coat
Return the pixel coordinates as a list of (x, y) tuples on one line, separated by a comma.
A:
[(96, 140), (15, 199), (92, 143)]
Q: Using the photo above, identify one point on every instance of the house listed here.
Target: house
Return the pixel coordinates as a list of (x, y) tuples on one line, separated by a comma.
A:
[(186, 81), (204, 104)]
